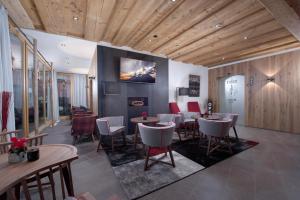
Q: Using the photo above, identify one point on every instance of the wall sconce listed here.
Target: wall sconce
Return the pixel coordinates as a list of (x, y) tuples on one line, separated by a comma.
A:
[(270, 79), (92, 77)]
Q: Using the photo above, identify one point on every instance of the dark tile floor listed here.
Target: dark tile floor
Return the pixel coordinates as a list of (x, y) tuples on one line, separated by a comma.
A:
[(270, 170)]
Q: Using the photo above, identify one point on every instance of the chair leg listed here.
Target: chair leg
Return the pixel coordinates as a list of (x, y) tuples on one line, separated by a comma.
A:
[(93, 138), (208, 146), (229, 144), (112, 144), (171, 155), (99, 144), (147, 159), (178, 132), (74, 140), (236, 135)]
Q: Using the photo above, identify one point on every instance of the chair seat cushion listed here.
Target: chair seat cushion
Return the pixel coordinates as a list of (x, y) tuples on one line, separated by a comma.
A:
[(189, 120), (116, 129)]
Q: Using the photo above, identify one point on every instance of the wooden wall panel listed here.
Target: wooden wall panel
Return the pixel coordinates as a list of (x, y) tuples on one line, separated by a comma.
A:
[(270, 105)]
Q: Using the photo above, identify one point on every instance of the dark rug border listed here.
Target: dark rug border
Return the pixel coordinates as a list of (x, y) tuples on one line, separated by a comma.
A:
[(257, 143)]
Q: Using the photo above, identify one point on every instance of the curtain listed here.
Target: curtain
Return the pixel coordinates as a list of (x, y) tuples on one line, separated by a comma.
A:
[(6, 76), (55, 98), (78, 94)]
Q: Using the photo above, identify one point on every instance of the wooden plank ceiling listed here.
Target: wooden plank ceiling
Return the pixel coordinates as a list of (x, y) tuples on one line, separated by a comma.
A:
[(193, 31)]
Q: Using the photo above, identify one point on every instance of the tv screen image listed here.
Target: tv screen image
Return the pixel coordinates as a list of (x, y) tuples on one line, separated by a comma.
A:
[(137, 70)]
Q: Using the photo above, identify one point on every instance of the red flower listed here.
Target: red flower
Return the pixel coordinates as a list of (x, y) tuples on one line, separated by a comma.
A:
[(18, 143), (144, 114)]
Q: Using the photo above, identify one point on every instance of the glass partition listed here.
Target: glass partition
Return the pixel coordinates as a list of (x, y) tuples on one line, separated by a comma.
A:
[(48, 94), (41, 93), (64, 94), (30, 69), (16, 56)]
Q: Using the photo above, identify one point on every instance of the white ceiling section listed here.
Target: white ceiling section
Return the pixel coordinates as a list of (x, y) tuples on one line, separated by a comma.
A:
[(67, 54)]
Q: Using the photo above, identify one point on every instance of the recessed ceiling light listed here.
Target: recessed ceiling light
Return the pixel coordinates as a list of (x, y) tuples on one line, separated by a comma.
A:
[(219, 25), (63, 44), (245, 38), (173, 0), (75, 18), (223, 58), (149, 40), (155, 36)]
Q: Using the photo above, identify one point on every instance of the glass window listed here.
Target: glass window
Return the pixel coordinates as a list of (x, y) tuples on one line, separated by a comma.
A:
[(64, 94), (16, 51), (48, 94), (41, 93), (30, 91)]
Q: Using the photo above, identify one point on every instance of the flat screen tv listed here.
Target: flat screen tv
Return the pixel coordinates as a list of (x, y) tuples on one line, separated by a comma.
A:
[(138, 71)]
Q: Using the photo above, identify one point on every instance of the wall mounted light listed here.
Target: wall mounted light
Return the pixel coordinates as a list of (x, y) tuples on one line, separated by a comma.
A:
[(92, 77), (270, 79)]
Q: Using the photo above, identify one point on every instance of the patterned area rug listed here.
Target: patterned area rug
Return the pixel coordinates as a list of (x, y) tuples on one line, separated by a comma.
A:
[(190, 157), (136, 182)]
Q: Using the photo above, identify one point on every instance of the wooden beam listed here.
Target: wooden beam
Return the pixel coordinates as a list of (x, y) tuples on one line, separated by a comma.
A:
[(32, 12), (17, 13), (284, 14)]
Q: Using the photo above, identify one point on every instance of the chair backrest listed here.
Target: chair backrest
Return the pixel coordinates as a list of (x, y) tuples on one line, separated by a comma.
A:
[(31, 141), (105, 123), (214, 128), (190, 115), (4, 147), (166, 117), (36, 140), (103, 126), (7, 135), (157, 136), (193, 106), (229, 116), (174, 109), (83, 125)]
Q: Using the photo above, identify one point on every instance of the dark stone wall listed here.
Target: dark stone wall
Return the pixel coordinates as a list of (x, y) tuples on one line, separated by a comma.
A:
[(117, 103)]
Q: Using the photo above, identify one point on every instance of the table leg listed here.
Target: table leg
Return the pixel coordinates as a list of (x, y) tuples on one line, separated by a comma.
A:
[(68, 179)]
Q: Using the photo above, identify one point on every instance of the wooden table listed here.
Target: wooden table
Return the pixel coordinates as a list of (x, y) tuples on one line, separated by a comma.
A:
[(136, 120), (51, 156)]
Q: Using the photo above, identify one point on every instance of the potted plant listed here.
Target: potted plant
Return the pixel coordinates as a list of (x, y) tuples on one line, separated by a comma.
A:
[(144, 115), (17, 151)]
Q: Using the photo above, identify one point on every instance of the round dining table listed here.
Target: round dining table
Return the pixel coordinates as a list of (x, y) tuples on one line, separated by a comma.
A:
[(136, 120), (52, 156)]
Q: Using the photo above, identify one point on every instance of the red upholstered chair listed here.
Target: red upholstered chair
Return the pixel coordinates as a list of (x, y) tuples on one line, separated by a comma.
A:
[(174, 109), (83, 126), (193, 106)]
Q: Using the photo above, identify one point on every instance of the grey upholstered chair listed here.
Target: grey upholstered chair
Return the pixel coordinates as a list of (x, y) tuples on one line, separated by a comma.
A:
[(111, 126), (166, 119), (217, 130), (230, 116), (157, 137)]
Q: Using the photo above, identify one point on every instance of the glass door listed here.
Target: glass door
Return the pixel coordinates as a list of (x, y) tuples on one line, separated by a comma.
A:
[(232, 96)]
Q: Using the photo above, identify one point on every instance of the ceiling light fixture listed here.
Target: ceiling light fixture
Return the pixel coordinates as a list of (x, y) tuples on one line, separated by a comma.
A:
[(63, 44), (245, 38), (75, 18), (223, 58), (219, 25), (149, 40), (173, 0)]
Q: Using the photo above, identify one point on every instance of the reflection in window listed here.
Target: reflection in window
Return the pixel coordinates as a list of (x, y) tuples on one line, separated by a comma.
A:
[(48, 94), (16, 51), (64, 94), (30, 91), (41, 93)]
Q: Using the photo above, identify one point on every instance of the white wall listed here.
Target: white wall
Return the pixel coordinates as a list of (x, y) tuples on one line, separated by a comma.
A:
[(179, 77)]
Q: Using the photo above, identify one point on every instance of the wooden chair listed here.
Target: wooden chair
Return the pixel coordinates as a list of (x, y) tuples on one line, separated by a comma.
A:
[(216, 131), (7, 135), (157, 137), (83, 126), (113, 127)]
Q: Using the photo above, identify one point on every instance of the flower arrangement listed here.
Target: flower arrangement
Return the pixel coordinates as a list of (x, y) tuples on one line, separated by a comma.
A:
[(18, 145), (17, 150), (144, 115)]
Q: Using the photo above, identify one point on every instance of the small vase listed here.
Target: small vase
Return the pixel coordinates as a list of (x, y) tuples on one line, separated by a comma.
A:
[(16, 158)]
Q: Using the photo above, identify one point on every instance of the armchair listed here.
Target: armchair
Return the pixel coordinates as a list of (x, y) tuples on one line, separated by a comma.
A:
[(111, 126)]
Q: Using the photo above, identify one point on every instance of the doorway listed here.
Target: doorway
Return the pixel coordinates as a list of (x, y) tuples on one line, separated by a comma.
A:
[(232, 96)]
